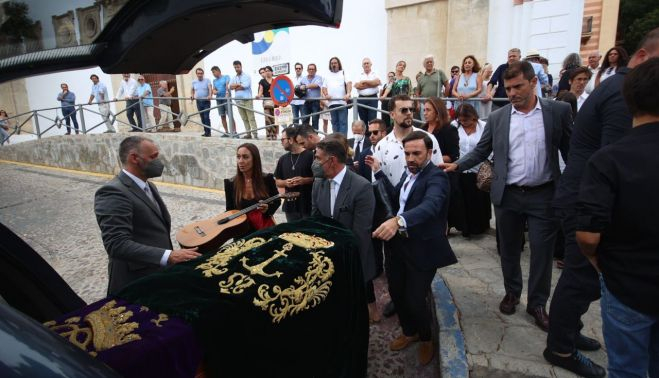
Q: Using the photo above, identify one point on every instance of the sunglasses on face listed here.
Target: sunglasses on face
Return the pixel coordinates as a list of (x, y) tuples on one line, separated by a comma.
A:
[(374, 132), (406, 110)]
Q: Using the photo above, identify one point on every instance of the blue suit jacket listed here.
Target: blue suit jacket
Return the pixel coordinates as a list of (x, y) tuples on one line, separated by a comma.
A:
[(425, 213)]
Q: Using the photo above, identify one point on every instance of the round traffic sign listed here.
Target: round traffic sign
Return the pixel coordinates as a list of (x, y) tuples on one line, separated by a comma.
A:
[(282, 90)]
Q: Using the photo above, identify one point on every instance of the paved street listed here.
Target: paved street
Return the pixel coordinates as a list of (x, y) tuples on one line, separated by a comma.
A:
[(53, 211)]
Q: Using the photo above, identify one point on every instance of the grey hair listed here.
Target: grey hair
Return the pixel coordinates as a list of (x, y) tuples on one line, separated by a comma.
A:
[(572, 60)]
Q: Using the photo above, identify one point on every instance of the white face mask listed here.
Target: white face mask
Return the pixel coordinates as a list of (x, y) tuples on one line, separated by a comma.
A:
[(359, 137)]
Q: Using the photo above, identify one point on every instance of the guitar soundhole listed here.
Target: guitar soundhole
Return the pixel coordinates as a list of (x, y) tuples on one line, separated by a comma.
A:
[(199, 231)]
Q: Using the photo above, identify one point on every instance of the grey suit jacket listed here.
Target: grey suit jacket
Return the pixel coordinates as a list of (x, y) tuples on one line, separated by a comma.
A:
[(135, 232), (353, 208), (557, 117)]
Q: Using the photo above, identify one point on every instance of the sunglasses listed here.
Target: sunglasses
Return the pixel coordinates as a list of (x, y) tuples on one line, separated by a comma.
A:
[(406, 110), (374, 132), (455, 71)]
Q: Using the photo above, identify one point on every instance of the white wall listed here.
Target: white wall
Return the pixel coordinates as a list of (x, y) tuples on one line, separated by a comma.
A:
[(553, 27)]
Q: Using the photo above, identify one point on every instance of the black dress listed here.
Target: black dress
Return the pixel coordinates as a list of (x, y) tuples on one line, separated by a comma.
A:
[(244, 203)]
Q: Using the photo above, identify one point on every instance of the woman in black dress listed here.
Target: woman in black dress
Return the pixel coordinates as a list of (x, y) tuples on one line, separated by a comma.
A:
[(438, 124), (474, 203), (249, 186)]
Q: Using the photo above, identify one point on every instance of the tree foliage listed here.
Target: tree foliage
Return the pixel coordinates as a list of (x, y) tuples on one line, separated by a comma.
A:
[(636, 18)]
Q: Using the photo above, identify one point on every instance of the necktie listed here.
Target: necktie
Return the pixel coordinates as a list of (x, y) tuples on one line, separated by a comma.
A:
[(332, 196), (149, 194), (358, 149)]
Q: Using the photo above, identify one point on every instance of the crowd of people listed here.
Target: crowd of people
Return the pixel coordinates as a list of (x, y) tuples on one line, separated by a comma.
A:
[(580, 167)]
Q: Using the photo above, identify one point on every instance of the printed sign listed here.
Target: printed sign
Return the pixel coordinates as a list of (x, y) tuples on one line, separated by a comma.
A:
[(284, 115), (282, 90)]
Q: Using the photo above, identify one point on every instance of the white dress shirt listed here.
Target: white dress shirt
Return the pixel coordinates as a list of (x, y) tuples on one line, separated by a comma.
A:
[(469, 142), (591, 83), (142, 185), (391, 155), (335, 184), (581, 99), (127, 88), (527, 153)]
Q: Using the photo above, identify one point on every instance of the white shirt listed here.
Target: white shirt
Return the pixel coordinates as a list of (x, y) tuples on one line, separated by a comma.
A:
[(608, 73), (591, 83), (469, 142), (527, 153), (142, 184), (335, 83), (296, 82), (368, 76), (334, 191), (127, 88), (389, 151), (581, 99)]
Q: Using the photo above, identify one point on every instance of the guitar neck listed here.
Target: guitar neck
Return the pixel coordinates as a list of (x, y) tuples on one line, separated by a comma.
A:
[(250, 208)]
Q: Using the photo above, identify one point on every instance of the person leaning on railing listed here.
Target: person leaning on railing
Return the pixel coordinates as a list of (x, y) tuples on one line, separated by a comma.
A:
[(4, 127), (68, 100)]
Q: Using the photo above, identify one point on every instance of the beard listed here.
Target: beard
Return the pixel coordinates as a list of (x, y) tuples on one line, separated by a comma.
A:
[(406, 124)]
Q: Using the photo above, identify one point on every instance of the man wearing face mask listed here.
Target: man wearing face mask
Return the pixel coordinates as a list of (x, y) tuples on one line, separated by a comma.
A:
[(134, 221), (417, 241), (358, 142)]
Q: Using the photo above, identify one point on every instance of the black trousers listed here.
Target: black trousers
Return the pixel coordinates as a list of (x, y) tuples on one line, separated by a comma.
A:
[(133, 108), (408, 288), (533, 207), (577, 287)]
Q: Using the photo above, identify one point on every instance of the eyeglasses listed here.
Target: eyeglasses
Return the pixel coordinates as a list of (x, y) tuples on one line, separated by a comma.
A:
[(283, 139), (298, 68), (406, 110), (374, 132), (456, 71)]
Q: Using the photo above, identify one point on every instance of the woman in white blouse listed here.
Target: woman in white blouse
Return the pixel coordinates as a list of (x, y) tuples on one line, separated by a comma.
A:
[(475, 203)]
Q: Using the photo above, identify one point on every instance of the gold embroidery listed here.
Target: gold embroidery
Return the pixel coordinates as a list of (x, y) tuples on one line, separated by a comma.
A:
[(161, 318), (109, 327), (311, 290), (236, 284), (144, 308), (258, 269), (216, 264), (305, 241)]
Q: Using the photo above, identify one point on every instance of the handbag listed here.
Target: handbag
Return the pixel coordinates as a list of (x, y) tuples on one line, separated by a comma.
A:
[(268, 104), (484, 176)]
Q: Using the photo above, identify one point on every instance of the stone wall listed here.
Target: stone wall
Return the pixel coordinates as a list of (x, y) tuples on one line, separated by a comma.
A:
[(189, 160)]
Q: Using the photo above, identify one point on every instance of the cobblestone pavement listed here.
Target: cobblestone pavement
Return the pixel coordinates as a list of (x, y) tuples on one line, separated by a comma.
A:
[(53, 211)]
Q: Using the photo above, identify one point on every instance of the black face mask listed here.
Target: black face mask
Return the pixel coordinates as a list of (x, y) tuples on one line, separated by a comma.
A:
[(154, 168), (317, 169)]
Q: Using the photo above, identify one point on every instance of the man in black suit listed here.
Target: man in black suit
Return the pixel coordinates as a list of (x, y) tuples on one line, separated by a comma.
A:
[(359, 142), (133, 218), (418, 240), (525, 137), (377, 130)]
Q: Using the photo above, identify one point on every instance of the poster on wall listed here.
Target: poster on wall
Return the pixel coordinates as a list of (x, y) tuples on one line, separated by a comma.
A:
[(272, 48)]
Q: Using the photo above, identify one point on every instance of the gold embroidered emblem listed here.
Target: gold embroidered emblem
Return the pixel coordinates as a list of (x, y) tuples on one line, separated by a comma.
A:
[(308, 292), (108, 327)]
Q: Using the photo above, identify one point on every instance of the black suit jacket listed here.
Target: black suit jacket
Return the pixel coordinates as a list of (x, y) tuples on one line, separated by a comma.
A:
[(366, 143), (135, 232), (425, 213), (364, 170)]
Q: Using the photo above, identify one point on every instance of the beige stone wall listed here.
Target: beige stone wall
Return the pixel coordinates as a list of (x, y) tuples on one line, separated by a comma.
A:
[(609, 25), (447, 29), (15, 101)]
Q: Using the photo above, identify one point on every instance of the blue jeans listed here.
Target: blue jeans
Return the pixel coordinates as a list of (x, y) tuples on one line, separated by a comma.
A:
[(631, 337), (69, 113), (311, 106), (204, 113), (221, 106), (298, 110), (339, 119)]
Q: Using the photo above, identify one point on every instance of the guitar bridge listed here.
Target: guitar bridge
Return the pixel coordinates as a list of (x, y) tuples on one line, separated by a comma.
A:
[(199, 231)]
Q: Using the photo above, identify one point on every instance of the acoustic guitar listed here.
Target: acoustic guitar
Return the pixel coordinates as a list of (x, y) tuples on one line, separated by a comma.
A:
[(209, 234)]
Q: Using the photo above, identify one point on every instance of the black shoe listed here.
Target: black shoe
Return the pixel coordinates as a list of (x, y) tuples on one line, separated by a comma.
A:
[(135, 131), (576, 363), (586, 343), (508, 303), (389, 310), (205, 135)]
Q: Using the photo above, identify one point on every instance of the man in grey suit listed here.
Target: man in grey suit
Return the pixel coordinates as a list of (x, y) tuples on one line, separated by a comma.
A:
[(345, 196), (525, 136), (134, 221)]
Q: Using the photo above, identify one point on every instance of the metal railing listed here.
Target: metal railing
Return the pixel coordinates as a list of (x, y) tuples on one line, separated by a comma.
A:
[(53, 119)]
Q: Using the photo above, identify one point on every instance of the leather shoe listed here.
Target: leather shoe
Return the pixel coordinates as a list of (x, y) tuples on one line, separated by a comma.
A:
[(426, 352), (389, 310), (576, 363), (586, 343), (402, 342), (540, 315), (508, 303)]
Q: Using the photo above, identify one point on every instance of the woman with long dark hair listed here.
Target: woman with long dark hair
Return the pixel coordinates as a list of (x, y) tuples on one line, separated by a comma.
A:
[(249, 186), (268, 105), (615, 58), (475, 203)]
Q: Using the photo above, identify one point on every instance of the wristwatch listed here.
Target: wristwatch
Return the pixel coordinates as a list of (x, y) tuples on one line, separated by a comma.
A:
[(402, 231)]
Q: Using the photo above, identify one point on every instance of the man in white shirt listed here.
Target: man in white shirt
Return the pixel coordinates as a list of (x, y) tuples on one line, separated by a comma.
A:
[(594, 67), (100, 94), (367, 87), (128, 91), (579, 78), (298, 103)]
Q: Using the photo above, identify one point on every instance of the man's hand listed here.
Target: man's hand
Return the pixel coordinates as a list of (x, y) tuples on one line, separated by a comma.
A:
[(387, 230), (448, 167), (182, 255), (262, 207), (372, 162)]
